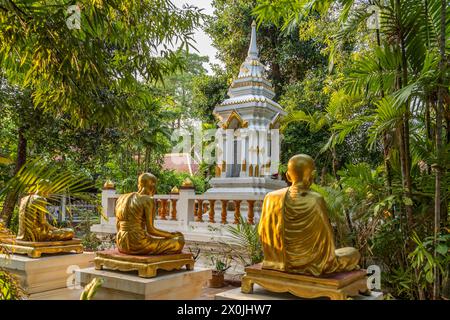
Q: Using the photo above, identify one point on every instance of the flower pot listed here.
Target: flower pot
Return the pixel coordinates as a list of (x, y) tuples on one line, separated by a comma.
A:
[(217, 280)]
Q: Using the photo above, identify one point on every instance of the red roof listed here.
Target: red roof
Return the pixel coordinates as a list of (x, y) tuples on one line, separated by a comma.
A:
[(180, 162)]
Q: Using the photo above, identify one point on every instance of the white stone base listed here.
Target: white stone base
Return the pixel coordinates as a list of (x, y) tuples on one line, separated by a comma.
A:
[(40, 275), (260, 293), (244, 185), (173, 285), (58, 294)]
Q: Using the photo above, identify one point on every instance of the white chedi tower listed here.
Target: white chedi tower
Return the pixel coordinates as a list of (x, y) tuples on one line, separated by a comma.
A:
[(248, 140)]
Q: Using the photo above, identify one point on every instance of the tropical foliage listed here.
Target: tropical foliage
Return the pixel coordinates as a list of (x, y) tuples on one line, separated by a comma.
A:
[(388, 87), (365, 84), (245, 239)]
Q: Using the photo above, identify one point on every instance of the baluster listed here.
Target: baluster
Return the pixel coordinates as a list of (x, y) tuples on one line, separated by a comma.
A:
[(164, 203), (174, 209), (159, 206), (224, 211), (211, 211), (195, 209), (237, 211), (199, 214), (251, 213)]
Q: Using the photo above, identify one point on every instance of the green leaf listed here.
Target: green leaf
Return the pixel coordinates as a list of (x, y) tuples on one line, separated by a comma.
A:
[(442, 249), (429, 277), (407, 201)]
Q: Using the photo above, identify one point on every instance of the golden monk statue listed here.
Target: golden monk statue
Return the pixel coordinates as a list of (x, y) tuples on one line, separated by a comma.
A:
[(295, 230), (33, 224), (135, 214), (4, 232)]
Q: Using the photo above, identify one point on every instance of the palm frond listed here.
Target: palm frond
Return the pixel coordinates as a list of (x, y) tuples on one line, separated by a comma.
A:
[(386, 118), (48, 181)]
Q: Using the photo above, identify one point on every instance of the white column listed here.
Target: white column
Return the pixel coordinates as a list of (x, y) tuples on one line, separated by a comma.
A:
[(224, 153), (108, 205), (263, 151), (244, 155), (185, 207), (275, 156), (219, 149), (229, 150), (252, 150)]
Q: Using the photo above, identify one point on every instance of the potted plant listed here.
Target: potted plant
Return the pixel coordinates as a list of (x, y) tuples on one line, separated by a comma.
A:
[(221, 262)]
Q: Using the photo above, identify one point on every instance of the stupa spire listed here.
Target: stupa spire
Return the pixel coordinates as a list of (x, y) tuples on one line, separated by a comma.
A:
[(253, 48)]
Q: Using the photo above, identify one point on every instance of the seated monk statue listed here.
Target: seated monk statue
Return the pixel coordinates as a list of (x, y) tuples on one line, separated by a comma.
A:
[(4, 232), (295, 230), (33, 224), (135, 214)]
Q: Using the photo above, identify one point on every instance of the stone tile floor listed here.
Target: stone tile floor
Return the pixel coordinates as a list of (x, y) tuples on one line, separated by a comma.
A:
[(209, 293)]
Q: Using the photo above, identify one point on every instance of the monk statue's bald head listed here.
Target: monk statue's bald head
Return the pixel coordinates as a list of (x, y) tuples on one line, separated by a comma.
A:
[(147, 184), (301, 169)]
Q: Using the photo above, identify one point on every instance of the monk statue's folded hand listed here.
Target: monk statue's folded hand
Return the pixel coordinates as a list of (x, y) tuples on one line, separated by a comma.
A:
[(177, 234)]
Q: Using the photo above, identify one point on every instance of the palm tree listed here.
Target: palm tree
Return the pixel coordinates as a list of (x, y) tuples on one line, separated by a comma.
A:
[(401, 81)]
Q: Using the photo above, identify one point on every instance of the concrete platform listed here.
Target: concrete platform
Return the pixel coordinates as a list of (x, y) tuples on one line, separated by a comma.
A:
[(58, 294), (167, 285), (260, 293), (47, 273)]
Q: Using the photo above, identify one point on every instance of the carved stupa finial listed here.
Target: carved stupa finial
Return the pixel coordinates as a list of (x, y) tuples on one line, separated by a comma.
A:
[(253, 48)]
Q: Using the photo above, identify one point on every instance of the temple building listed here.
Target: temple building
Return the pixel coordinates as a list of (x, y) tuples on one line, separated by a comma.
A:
[(248, 140)]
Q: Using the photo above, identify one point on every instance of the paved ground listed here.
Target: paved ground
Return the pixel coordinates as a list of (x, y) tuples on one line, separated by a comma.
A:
[(209, 293)]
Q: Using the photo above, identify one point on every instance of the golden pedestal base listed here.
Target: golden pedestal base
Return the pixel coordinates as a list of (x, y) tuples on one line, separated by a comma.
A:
[(146, 266), (338, 286), (36, 249)]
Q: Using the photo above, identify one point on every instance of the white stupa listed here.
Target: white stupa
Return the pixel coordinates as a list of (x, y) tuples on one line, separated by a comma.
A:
[(248, 146)]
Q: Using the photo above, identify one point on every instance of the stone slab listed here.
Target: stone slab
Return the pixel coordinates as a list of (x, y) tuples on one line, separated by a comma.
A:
[(58, 294), (259, 293), (173, 285), (46, 273)]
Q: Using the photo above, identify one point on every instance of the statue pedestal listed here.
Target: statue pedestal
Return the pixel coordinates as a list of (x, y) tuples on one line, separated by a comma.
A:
[(259, 293), (146, 266), (338, 286), (174, 285), (36, 249), (49, 277)]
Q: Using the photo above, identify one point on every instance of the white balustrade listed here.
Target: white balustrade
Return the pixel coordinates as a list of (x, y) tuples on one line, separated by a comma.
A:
[(201, 217)]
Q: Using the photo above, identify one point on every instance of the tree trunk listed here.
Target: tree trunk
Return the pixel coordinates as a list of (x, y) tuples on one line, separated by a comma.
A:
[(334, 163), (428, 125), (387, 165), (405, 156), (439, 147), (11, 197)]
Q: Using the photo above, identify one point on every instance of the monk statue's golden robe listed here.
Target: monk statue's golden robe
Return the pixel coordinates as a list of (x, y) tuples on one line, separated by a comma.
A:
[(136, 233), (33, 224), (297, 236)]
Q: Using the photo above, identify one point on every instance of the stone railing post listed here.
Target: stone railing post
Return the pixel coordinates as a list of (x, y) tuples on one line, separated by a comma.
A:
[(185, 207), (108, 203)]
